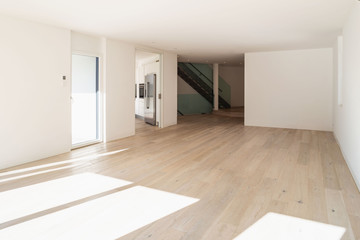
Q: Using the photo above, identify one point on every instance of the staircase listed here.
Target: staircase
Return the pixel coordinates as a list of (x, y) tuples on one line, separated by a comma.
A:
[(202, 83)]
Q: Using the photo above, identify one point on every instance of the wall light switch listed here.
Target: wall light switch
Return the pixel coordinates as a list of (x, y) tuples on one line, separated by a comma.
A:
[(63, 82)]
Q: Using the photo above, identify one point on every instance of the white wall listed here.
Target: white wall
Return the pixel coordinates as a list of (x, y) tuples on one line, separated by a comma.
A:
[(289, 89), (347, 116), (82, 43), (34, 101), (139, 79), (120, 89), (234, 76), (169, 89)]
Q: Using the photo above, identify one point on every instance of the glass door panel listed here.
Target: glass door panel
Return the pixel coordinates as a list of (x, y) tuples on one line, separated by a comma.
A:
[(84, 98)]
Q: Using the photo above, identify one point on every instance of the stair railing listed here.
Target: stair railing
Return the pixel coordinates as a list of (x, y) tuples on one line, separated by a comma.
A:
[(201, 74)]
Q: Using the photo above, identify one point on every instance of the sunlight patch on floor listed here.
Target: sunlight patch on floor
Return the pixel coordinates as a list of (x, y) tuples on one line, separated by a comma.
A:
[(38, 173), (282, 227), (87, 157), (105, 218), (24, 201)]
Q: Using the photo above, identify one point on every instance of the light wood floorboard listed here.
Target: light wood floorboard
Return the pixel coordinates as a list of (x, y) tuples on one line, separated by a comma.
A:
[(238, 173)]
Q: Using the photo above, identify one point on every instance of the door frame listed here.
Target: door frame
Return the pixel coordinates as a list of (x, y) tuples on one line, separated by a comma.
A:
[(160, 78)]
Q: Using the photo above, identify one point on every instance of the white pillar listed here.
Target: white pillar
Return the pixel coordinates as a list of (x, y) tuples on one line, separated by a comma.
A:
[(216, 85)]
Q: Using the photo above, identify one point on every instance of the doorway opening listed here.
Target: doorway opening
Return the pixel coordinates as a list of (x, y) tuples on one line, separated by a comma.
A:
[(85, 100), (196, 91), (147, 90), (234, 76)]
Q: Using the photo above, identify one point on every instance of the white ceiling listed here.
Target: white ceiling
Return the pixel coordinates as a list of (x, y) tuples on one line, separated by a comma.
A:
[(198, 30)]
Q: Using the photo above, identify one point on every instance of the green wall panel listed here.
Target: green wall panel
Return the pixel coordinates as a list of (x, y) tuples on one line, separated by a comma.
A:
[(193, 104)]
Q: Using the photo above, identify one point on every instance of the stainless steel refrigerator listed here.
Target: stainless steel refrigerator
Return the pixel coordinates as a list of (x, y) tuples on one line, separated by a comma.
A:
[(150, 98)]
